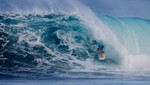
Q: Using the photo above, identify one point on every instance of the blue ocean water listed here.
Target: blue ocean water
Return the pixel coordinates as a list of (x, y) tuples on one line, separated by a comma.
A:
[(56, 45), (71, 82)]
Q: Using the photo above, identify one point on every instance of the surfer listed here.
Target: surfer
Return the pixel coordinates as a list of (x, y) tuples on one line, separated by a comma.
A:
[(99, 45), (99, 49)]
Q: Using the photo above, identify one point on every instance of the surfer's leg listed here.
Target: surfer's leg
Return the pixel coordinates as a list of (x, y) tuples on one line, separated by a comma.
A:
[(101, 49)]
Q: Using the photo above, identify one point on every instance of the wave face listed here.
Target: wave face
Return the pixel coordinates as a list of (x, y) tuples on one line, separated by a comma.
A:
[(132, 33), (52, 43)]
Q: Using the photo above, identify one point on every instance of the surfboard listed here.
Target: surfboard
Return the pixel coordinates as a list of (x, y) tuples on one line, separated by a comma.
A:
[(101, 56)]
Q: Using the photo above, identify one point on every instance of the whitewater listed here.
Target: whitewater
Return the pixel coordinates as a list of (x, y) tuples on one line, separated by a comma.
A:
[(48, 39)]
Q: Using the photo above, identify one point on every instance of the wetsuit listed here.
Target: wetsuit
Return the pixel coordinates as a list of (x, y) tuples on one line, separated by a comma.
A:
[(100, 46)]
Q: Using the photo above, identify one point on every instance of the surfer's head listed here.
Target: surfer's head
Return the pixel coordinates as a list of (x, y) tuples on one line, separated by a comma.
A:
[(94, 41)]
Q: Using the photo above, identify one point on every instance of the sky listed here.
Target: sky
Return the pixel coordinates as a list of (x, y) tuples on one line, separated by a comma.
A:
[(119, 8)]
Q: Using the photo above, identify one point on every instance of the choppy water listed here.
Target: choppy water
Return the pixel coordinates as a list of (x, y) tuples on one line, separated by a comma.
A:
[(57, 45)]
